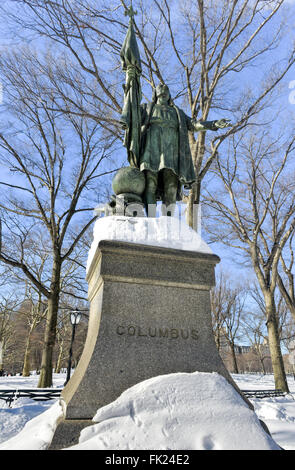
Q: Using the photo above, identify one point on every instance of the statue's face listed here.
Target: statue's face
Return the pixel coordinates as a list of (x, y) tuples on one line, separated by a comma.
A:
[(163, 91)]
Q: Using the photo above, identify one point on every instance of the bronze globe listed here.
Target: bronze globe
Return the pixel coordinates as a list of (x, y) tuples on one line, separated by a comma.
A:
[(129, 180)]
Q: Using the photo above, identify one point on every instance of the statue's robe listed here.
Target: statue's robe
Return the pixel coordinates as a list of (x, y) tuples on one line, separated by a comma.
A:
[(165, 143)]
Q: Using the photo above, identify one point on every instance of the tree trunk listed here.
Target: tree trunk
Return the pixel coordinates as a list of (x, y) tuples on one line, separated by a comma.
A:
[(274, 345), (217, 341), (27, 362), (193, 213), (234, 358), (45, 379), (59, 359), (193, 201), (262, 365), (292, 310), (1, 354)]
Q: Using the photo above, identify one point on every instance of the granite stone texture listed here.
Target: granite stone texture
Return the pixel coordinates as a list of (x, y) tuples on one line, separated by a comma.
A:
[(149, 315), (68, 432)]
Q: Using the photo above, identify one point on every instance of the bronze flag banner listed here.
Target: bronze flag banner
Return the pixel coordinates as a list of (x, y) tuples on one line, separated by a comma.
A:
[(130, 118)]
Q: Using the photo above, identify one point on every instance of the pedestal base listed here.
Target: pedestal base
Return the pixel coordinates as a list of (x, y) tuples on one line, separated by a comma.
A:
[(67, 433), (149, 315)]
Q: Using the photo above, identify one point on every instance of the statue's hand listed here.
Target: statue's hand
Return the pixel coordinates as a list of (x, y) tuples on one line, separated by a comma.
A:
[(123, 123), (222, 123)]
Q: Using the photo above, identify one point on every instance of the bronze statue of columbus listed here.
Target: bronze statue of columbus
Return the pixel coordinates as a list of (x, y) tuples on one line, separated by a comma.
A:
[(156, 133)]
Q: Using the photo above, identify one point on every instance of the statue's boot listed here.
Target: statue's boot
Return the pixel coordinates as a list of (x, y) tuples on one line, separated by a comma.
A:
[(170, 180), (150, 199)]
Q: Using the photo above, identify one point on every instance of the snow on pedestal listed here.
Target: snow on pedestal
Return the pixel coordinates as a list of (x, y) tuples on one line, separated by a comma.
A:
[(167, 232), (199, 411)]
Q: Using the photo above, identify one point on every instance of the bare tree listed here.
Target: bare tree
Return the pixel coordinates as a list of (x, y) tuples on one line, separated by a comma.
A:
[(62, 333), (35, 319), (227, 305), (286, 281), (34, 311), (8, 305), (256, 215), (56, 160), (254, 328), (217, 305), (10, 300)]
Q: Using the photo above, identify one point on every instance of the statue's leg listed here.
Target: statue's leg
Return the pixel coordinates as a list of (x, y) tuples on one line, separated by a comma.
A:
[(170, 180), (150, 199)]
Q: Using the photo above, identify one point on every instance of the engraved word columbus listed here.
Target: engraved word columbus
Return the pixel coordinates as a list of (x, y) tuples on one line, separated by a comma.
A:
[(154, 332)]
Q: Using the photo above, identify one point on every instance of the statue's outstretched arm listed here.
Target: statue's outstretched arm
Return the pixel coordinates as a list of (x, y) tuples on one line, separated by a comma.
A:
[(210, 125)]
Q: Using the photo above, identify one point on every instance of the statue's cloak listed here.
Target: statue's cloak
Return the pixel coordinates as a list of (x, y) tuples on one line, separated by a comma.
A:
[(165, 144)]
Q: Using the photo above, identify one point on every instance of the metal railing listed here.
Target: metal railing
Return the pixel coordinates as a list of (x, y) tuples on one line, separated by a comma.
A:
[(37, 394), (263, 393), (45, 394)]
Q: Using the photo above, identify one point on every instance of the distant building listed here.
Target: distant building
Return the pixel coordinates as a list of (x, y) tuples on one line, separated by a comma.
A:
[(249, 358), (242, 349)]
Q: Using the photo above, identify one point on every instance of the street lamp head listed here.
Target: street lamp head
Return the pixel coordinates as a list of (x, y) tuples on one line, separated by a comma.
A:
[(75, 317)]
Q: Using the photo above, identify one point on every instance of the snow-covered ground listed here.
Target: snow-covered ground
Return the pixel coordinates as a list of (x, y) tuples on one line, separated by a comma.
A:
[(162, 412), (278, 413), (12, 420)]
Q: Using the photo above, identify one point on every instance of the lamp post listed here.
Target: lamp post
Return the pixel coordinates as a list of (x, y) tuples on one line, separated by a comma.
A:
[(75, 317)]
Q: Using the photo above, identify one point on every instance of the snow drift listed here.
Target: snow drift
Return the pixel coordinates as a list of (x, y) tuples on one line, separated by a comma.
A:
[(37, 433), (199, 411)]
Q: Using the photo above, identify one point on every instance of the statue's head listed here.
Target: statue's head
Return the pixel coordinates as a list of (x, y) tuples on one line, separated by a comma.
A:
[(162, 90)]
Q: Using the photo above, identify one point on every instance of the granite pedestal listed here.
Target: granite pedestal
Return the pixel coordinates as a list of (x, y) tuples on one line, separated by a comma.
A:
[(149, 315)]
